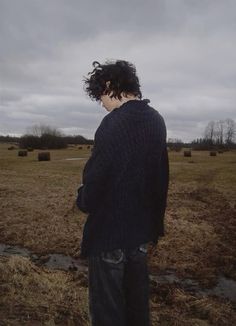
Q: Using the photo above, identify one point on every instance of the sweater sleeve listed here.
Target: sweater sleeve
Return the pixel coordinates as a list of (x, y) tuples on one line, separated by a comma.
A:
[(161, 185), (161, 202), (163, 190), (96, 172)]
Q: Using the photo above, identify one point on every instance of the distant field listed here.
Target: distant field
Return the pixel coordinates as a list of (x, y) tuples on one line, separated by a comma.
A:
[(38, 213)]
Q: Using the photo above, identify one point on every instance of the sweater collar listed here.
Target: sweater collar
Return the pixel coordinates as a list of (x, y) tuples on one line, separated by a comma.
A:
[(135, 103)]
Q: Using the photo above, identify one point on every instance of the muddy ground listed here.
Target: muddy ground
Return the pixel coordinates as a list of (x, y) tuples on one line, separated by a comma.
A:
[(192, 271)]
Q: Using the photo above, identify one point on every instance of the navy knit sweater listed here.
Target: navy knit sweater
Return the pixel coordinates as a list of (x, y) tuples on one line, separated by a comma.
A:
[(125, 181)]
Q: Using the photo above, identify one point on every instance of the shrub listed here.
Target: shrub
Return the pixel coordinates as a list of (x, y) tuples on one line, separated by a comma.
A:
[(44, 156), (44, 141)]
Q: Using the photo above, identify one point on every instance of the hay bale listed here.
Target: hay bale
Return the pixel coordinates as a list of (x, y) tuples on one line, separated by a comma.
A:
[(11, 148), (44, 156), (187, 154), (220, 152), (30, 149), (22, 153), (80, 147), (212, 153), (88, 147)]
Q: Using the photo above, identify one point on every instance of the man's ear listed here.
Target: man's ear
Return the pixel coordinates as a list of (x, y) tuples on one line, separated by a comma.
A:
[(108, 83)]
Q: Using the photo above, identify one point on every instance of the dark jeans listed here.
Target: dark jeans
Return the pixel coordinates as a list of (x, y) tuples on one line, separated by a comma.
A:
[(119, 288)]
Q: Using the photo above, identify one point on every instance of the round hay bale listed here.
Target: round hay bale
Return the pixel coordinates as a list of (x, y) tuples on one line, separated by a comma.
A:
[(212, 153), (22, 153), (44, 156), (187, 154), (80, 147)]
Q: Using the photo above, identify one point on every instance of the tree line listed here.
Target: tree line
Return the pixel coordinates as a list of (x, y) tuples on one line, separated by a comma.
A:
[(218, 134), (221, 132), (46, 137)]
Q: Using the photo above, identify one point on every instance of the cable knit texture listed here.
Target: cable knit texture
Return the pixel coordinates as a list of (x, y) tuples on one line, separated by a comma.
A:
[(125, 181)]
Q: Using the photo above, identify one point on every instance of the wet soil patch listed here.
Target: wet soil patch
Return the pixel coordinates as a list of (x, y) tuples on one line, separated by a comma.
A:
[(52, 261), (225, 287)]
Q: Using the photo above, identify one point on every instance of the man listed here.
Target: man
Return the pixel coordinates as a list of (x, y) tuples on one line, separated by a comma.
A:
[(124, 190)]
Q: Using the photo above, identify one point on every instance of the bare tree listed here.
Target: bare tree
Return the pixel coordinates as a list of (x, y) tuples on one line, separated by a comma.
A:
[(219, 132), (210, 131), (39, 130), (42, 136), (230, 131)]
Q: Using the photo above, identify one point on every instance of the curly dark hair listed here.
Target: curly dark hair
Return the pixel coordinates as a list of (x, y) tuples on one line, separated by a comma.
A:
[(121, 76)]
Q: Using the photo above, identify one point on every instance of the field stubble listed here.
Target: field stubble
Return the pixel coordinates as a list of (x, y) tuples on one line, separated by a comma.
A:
[(38, 212)]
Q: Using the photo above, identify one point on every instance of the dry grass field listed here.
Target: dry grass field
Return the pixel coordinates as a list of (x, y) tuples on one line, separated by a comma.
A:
[(192, 264)]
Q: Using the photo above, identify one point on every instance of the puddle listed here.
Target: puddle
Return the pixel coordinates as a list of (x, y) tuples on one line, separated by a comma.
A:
[(8, 250), (170, 277), (60, 261), (225, 287), (52, 261)]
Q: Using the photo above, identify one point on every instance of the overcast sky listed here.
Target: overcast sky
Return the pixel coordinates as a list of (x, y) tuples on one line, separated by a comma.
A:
[(184, 52)]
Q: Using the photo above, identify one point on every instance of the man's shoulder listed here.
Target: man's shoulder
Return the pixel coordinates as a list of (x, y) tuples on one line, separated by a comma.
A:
[(157, 115), (106, 121), (109, 122), (105, 128)]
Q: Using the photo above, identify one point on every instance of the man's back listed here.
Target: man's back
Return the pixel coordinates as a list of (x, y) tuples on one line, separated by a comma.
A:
[(126, 180)]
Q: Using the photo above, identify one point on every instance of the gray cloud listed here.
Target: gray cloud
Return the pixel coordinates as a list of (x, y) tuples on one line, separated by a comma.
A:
[(184, 52)]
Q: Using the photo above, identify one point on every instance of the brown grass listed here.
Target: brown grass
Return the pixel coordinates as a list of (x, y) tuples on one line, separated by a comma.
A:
[(38, 212), (172, 305), (35, 296)]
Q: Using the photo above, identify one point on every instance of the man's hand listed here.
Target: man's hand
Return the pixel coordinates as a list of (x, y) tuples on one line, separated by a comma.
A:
[(80, 201)]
